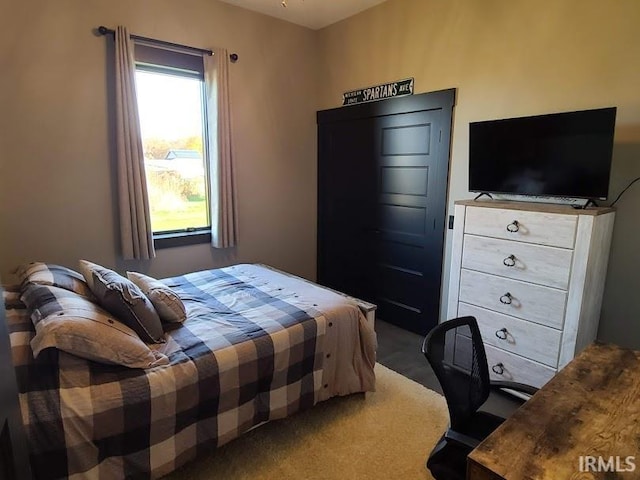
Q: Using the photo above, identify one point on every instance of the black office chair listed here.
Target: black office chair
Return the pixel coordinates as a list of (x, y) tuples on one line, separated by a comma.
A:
[(456, 353)]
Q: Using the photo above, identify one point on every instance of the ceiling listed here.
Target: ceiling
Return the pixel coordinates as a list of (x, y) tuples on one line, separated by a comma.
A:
[(314, 14)]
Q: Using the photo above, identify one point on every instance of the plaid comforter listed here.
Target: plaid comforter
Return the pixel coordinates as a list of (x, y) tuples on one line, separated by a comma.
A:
[(249, 352)]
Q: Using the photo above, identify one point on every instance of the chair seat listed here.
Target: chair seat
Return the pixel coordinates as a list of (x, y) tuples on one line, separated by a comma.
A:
[(448, 459), (481, 424)]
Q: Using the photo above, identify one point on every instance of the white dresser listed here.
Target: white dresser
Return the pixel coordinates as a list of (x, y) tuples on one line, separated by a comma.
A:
[(533, 276)]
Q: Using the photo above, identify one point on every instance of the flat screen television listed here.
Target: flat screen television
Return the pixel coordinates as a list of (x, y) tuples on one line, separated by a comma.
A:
[(557, 155)]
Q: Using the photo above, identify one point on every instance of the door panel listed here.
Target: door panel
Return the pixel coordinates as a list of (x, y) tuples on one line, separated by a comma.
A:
[(408, 161), (401, 219), (403, 180), (403, 256), (406, 139)]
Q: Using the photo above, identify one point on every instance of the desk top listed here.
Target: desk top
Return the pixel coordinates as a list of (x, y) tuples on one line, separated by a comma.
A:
[(591, 408)]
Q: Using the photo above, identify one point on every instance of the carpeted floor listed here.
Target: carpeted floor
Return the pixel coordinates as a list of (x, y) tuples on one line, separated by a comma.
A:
[(383, 435)]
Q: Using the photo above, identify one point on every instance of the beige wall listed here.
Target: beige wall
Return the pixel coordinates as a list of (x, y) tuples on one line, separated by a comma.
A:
[(512, 58), (56, 196)]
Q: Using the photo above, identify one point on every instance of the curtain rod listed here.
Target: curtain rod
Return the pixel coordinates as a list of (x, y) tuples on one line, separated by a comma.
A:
[(102, 30)]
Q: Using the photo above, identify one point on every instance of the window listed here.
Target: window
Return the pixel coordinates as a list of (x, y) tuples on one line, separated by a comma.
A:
[(170, 93)]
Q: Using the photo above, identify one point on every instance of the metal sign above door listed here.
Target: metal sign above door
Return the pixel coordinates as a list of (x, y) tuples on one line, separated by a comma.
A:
[(379, 92)]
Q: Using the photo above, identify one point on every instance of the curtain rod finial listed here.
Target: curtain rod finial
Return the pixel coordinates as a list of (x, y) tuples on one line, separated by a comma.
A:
[(102, 30)]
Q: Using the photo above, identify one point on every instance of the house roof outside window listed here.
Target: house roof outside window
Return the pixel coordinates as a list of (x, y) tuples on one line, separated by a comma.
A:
[(174, 154)]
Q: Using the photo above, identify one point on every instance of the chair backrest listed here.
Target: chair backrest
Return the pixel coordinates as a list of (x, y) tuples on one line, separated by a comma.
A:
[(456, 353)]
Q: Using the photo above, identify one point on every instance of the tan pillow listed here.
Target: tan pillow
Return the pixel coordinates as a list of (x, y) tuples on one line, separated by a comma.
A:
[(55, 275), (166, 302), (87, 272), (122, 298), (71, 323)]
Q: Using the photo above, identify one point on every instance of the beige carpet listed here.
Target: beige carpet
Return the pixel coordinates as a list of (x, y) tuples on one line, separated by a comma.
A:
[(383, 435)]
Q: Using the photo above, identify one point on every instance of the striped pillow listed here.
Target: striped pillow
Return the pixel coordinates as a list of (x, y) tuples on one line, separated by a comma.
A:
[(123, 298), (71, 323), (166, 302), (53, 275)]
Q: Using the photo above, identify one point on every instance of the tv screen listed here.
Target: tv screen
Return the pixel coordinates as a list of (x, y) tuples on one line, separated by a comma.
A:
[(559, 154)]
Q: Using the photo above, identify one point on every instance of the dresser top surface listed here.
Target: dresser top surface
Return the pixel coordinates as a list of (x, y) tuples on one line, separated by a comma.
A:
[(536, 207)]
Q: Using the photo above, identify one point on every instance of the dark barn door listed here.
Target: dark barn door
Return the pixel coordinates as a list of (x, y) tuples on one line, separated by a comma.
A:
[(346, 207), (382, 183)]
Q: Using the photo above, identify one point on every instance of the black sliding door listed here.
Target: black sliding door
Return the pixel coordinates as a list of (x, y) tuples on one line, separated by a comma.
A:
[(382, 182), (347, 214)]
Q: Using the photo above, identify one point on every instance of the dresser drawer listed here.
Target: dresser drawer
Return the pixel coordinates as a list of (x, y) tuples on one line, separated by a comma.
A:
[(521, 337), (514, 368), (553, 229), (538, 264), (537, 303)]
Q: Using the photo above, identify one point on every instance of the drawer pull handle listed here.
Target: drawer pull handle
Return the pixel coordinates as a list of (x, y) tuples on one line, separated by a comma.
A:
[(513, 227), (506, 298), (498, 369), (510, 261), (501, 334)]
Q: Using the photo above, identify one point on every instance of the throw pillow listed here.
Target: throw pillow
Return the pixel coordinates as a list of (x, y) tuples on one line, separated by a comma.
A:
[(166, 302), (122, 298), (71, 323), (55, 275)]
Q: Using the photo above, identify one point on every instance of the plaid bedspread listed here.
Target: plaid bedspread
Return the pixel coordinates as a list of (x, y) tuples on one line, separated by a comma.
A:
[(246, 354)]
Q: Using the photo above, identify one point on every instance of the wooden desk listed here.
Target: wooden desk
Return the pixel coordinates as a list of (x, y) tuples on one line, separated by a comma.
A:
[(590, 408)]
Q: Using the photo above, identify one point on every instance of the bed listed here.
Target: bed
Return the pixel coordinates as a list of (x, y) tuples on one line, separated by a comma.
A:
[(257, 345)]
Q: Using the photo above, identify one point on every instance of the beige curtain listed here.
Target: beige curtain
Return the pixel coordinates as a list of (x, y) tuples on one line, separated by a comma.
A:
[(221, 171), (136, 235)]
